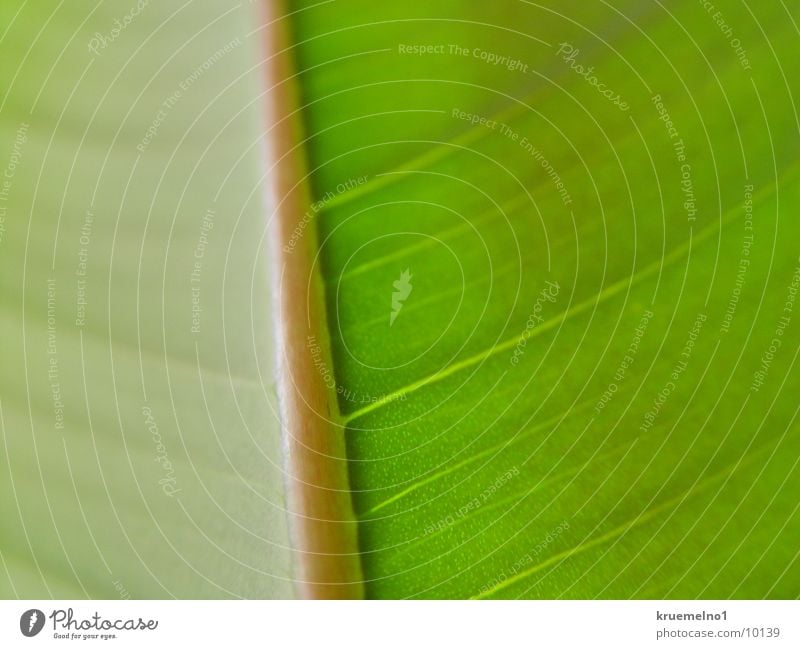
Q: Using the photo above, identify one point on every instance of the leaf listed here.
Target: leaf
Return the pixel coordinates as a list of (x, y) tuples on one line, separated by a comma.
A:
[(589, 392), (557, 252), (140, 449)]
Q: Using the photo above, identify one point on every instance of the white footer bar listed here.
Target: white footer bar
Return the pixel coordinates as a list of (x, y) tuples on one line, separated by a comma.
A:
[(400, 625)]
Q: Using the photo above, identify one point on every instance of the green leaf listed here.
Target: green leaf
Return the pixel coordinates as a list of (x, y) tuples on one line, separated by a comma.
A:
[(140, 449), (557, 246), (563, 323)]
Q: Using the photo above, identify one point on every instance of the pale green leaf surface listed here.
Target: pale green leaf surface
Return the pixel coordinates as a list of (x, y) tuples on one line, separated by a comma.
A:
[(84, 512)]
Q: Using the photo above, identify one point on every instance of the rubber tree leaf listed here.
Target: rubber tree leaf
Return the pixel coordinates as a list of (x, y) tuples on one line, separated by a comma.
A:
[(559, 250), (140, 447)]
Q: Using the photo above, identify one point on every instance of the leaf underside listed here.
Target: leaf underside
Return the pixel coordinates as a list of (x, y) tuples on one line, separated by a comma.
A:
[(147, 464)]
